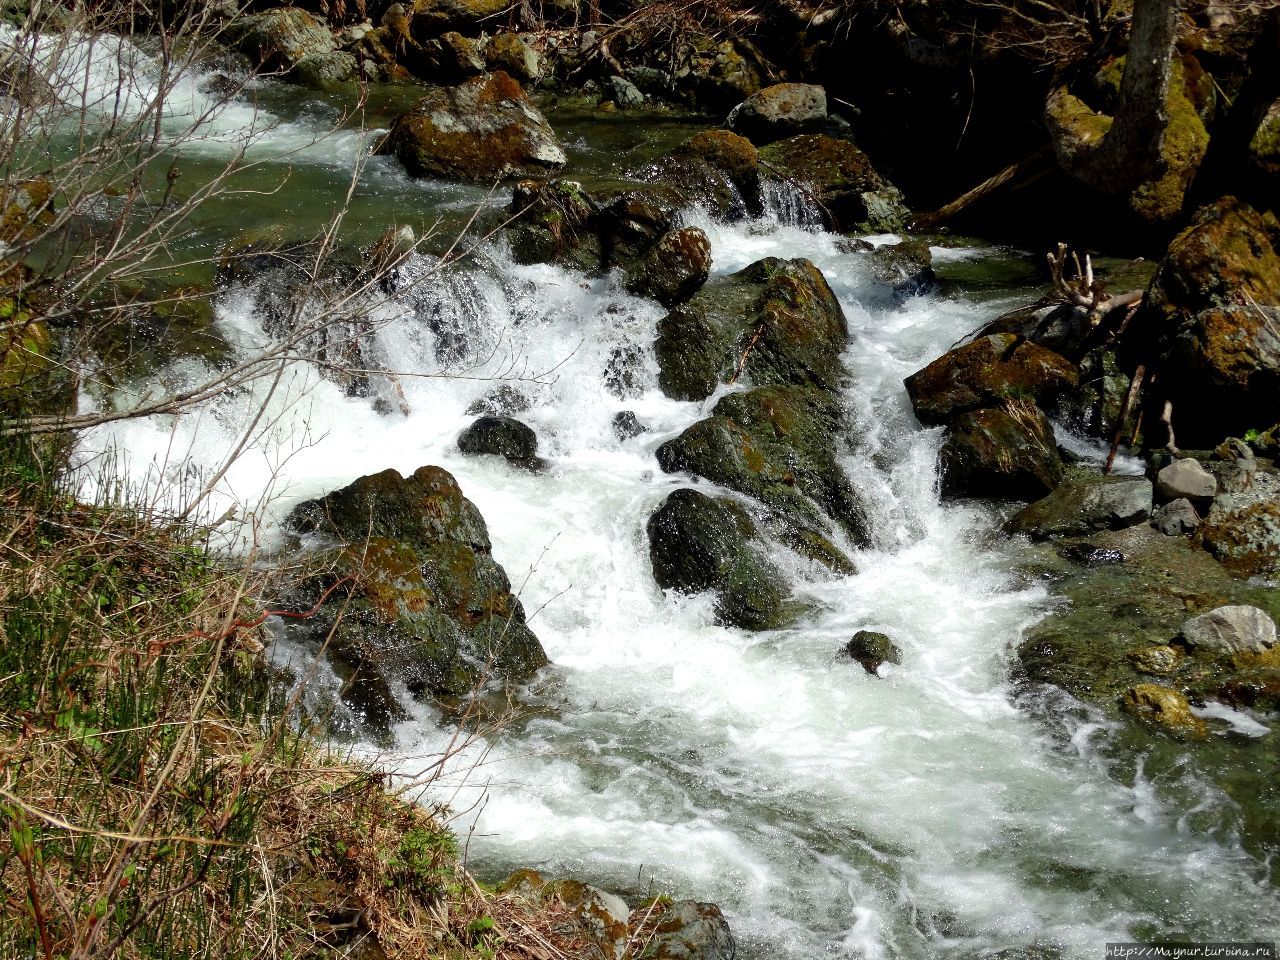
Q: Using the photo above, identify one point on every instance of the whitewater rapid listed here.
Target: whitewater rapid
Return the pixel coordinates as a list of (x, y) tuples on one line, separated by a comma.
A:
[(829, 812)]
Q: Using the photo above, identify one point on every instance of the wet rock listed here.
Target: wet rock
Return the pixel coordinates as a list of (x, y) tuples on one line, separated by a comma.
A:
[(780, 111), (1186, 480), (554, 222), (1231, 629), (1178, 518), (1084, 504), (25, 207), (509, 52), (415, 594), (279, 39), (907, 267), (1156, 661), (1000, 452), (1164, 708), (502, 402), (324, 71), (698, 543), (715, 169), (778, 445), (872, 649), (1247, 540), (624, 373), (691, 931), (853, 195), (723, 73), (626, 425), (482, 130), (674, 268), (1214, 307), (985, 372), (503, 437), (624, 93), (777, 321)]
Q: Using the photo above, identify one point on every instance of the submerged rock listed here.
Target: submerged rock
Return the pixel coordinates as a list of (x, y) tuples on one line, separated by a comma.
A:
[(483, 130), (840, 177), (1231, 629), (780, 111), (907, 267), (699, 543), (1164, 708), (778, 445), (776, 321), (414, 594), (626, 425), (872, 649), (987, 372), (1000, 452), (1083, 504)]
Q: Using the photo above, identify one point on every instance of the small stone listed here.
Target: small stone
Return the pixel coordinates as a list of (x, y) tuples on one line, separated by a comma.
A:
[(1185, 479), (1164, 708), (1177, 518), (1231, 629), (871, 649), (625, 93), (1159, 661), (626, 426)]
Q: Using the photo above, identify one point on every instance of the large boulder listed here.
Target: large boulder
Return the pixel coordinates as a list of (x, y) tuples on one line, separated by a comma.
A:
[(411, 593), (776, 321), (1186, 479), (778, 445), (780, 111), (841, 179), (1213, 309), (501, 437), (509, 52), (1007, 452), (699, 543), (482, 130), (985, 372), (1237, 628), (1083, 504)]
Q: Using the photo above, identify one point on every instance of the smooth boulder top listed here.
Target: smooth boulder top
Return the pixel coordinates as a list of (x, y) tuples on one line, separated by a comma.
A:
[(1231, 629), (780, 111), (1185, 479)]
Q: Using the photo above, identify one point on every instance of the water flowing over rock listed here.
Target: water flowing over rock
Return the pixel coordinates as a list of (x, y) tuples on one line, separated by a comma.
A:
[(872, 649), (986, 372), (501, 437), (778, 445), (1004, 452), (414, 594), (714, 169), (840, 179), (776, 321), (1083, 504), (780, 111), (699, 543), (907, 267), (1231, 629), (483, 130)]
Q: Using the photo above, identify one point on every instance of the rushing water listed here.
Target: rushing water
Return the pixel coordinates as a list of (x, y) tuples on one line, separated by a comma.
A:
[(830, 812)]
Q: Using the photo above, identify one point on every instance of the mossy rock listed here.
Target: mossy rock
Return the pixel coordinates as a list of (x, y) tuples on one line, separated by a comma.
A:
[(1264, 147), (1163, 708), (714, 169), (987, 371), (852, 195), (774, 322), (778, 445), (415, 594), (24, 207), (1007, 452), (1247, 540), (433, 17), (699, 543), (674, 268), (482, 130)]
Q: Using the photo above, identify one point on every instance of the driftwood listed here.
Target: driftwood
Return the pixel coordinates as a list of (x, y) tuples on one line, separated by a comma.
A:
[(987, 187)]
